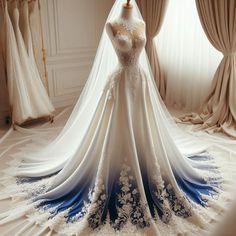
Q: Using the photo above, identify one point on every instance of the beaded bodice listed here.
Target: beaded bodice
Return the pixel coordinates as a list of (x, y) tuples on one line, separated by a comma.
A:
[(129, 45)]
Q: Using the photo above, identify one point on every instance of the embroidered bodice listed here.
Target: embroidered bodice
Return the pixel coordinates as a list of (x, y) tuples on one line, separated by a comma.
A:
[(129, 45)]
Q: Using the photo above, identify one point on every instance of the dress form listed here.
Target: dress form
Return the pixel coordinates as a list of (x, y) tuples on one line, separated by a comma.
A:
[(126, 24)]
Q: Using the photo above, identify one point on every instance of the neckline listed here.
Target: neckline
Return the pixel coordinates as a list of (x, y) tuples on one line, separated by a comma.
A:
[(128, 25)]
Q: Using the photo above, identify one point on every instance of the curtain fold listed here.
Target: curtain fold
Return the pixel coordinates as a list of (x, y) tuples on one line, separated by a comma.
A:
[(37, 40), (218, 19), (188, 60), (153, 12)]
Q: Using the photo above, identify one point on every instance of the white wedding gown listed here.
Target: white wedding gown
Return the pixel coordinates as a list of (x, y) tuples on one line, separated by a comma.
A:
[(28, 97), (119, 163), (24, 23)]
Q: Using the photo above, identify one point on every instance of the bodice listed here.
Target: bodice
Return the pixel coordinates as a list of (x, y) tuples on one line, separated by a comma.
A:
[(129, 46)]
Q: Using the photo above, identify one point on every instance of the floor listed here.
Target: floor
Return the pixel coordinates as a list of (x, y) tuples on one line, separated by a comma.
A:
[(13, 139)]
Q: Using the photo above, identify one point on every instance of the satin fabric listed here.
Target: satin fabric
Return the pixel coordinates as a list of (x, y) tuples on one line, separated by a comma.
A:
[(28, 97)]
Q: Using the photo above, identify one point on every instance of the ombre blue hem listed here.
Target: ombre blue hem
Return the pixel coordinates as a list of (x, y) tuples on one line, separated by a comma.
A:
[(162, 201)]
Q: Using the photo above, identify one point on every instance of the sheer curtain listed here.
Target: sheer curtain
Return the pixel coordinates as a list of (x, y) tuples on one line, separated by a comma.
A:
[(153, 13), (186, 56)]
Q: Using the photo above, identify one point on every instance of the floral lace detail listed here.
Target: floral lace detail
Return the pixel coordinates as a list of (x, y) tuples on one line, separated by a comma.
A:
[(128, 50), (122, 37), (130, 205), (128, 59), (97, 206), (179, 204), (169, 199), (112, 83), (131, 81), (128, 24), (33, 187), (160, 194)]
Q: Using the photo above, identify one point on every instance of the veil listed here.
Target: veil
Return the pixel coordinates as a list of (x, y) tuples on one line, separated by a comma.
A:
[(53, 157), (64, 145)]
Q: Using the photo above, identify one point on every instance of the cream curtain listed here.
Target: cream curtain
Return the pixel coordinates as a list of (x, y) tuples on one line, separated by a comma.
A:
[(37, 39), (153, 12), (218, 18)]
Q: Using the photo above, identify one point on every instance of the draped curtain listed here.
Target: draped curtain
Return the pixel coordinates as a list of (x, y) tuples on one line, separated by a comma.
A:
[(187, 58), (153, 13), (218, 20), (37, 40)]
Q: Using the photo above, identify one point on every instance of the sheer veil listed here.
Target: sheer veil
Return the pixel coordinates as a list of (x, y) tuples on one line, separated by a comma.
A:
[(65, 146)]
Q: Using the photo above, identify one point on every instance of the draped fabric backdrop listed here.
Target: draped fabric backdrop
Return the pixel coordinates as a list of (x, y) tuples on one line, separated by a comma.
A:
[(218, 20), (37, 38), (187, 58), (153, 13)]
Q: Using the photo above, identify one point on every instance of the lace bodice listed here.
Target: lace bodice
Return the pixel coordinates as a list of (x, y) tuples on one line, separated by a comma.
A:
[(129, 45)]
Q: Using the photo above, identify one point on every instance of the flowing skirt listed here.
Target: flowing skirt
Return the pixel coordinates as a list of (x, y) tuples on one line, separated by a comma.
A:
[(128, 168)]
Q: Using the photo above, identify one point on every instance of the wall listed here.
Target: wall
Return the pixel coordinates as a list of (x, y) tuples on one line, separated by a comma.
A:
[(72, 29)]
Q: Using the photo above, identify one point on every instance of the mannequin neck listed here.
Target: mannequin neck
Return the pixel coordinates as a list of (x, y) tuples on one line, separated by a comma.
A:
[(126, 13)]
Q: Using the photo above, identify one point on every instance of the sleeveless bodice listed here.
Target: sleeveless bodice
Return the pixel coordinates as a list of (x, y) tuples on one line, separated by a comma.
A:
[(129, 48)]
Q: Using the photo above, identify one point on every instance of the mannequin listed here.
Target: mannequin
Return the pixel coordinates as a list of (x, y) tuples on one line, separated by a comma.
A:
[(126, 25), (128, 5), (128, 2)]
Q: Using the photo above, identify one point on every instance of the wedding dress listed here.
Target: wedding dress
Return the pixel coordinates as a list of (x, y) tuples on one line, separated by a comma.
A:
[(24, 22), (119, 159), (38, 43), (28, 97)]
